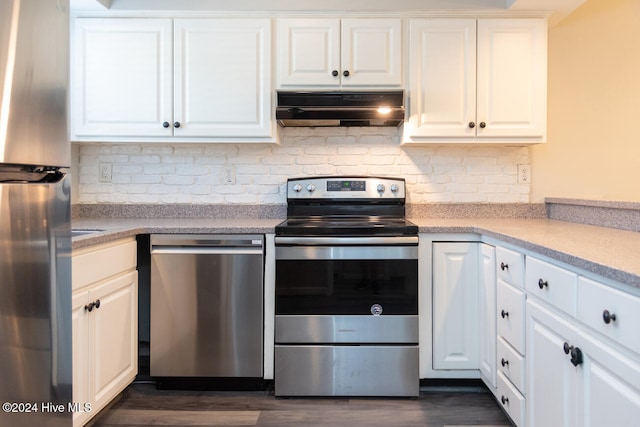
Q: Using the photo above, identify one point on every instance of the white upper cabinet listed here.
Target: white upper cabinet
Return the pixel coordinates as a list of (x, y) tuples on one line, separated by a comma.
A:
[(477, 81), (339, 53), (122, 77), (222, 81), (184, 79)]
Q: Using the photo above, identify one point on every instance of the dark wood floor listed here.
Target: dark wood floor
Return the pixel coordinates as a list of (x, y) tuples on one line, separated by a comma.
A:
[(143, 405)]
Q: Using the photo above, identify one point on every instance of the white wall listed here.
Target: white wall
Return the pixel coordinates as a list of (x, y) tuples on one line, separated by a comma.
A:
[(194, 173), (593, 149)]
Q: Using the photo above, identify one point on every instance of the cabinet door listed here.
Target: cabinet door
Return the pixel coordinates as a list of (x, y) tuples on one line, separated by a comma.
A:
[(487, 313), (371, 52), (309, 52), (81, 354), (455, 305), (113, 334), (512, 78), (551, 380), (609, 387), (121, 81), (442, 78), (222, 77)]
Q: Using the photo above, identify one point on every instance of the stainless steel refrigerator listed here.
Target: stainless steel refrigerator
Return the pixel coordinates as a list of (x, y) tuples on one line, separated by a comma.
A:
[(35, 234)]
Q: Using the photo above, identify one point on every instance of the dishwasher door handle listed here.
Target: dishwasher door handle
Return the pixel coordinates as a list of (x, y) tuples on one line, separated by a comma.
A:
[(206, 250)]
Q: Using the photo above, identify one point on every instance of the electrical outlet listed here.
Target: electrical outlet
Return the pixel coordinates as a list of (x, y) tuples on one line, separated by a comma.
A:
[(524, 174), (105, 172), (228, 174)]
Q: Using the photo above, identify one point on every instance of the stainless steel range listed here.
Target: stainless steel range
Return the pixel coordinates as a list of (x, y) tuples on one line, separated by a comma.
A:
[(346, 290)]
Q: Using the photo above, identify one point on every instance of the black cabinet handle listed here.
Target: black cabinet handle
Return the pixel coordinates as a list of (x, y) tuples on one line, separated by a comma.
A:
[(504, 314), (345, 73), (165, 125), (472, 125), (504, 362), (176, 125), (335, 73), (504, 400), (576, 356), (543, 284), (89, 307), (567, 348), (608, 317), (504, 266), (97, 303), (483, 125)]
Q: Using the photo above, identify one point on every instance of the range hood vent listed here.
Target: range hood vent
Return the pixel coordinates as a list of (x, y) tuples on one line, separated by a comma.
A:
[(311, 109)]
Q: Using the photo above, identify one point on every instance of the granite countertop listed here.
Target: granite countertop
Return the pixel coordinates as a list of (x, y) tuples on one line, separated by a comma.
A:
[(608, 252)]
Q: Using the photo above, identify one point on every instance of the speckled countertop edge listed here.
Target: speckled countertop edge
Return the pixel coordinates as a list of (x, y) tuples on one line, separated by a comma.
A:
[(611, 253)]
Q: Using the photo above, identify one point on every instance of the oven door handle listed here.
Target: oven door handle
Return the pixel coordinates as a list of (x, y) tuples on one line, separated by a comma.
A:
[(346, 241)]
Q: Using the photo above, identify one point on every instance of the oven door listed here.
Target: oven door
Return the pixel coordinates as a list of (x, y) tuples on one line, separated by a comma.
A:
[(347, 290), (347, 276)]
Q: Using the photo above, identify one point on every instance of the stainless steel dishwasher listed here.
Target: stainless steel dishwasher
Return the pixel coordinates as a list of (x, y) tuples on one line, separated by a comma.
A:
[(206, 306)]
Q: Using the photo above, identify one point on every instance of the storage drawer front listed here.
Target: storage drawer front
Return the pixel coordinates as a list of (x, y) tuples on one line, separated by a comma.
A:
[(99, 262), (623, 312), (511, 364), (553, 284), (316, 370), (511, 319), (511, 400), (510, 265)]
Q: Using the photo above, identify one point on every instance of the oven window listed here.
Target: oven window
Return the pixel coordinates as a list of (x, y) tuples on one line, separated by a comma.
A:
[(346, 286)]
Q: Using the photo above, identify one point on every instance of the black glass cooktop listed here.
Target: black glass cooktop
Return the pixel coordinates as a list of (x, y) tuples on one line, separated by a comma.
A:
[(346, 226)]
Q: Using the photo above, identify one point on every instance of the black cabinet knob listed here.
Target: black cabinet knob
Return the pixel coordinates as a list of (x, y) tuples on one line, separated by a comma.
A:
[(543, 284), (504, 266), (608, 317), (504, 362), (345, 73), (97, 303), (335, 73), (504, 400), (165, 125), (472, 125), (504, 314), (176, 125), (567, 348), (576, 356), (483, 125), (89, 307)]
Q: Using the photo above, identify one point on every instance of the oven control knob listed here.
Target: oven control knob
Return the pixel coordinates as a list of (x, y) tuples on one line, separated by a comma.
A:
[(394, 188), (311, 188), (380, 188), (297, 188)]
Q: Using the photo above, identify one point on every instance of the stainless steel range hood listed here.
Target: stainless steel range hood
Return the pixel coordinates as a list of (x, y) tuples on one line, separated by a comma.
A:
[(310, 109)]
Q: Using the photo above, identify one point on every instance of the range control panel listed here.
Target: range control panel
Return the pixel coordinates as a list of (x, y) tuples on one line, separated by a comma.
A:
[(347, 187)]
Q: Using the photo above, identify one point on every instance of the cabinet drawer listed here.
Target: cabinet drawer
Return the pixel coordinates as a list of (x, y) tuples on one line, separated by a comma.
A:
[(96, 263), (510, 311), (510, 265), (511, 400), (622, 317), (511, 364), (553, 284)]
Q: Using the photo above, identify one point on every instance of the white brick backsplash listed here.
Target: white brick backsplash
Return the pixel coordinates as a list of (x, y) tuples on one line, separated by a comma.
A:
[(192, 173)]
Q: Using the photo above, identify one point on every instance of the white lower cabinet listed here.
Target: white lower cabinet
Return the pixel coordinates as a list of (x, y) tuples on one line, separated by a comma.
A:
[(575, 378), (608, 387), (105, 325), (551, 377), (455, 305), (487, 314)]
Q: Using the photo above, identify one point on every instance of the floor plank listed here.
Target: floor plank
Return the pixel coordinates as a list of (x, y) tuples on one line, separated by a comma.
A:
[(142, 404)]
